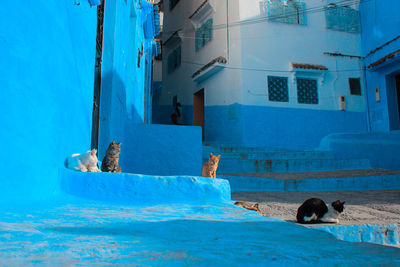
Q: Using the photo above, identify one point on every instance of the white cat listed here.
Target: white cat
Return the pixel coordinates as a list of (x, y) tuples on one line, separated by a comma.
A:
[(86, 162)]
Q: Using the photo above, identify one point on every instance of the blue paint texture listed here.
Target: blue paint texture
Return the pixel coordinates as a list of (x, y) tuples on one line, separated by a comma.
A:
[(161, 150), (46, 94), (138, 189), (381, 148), (286, 128), (359, 183)]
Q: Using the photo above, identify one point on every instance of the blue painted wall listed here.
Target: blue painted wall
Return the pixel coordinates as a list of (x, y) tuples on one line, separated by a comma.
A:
[(161, 150), (126, 78), (288, 128), (380, 25), (47, 79)]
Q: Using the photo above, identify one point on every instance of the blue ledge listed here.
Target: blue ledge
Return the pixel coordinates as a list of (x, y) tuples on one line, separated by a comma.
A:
[(377, 234), (144, 189)]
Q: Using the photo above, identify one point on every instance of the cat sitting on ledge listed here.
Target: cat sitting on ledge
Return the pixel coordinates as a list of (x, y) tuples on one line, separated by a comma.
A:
[(209, 168), (110, 161), (314, 210), (86, 162)]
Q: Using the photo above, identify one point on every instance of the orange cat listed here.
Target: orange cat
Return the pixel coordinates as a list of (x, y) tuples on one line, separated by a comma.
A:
[(209, 168)]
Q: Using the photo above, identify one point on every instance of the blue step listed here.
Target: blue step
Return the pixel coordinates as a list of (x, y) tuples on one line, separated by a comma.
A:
[(344, 183), (226, 148), (290, 165), (273, 155)]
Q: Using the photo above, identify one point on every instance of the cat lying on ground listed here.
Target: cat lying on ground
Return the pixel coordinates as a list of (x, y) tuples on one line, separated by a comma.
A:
[(209, 168), (314, 210), (86, 162), (248, 206), (110, 161)]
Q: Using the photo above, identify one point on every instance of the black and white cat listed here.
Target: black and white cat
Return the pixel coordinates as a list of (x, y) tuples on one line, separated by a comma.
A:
[(314, 210)]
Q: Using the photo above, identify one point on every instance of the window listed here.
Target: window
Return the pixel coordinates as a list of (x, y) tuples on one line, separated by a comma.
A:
[(355, 86), (287, 11), (307, 92), (172, 4), (204, 34), (278, 89), (342, 19), (174, 59)]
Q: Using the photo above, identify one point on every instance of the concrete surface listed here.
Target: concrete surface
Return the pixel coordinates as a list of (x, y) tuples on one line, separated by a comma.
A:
[(361, 207), (77, 232), (370, 216)]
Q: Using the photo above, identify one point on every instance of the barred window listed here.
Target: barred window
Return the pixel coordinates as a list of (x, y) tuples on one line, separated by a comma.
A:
[(278, 89), (340, 18), (204, 34), (307, 91), (284, 11), (174, 59)]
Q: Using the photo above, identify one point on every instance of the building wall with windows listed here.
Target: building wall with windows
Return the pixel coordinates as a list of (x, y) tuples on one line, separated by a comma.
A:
[(381, 49), (286, 67)]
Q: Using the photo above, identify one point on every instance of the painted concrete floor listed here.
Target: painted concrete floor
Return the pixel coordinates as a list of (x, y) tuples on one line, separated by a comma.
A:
[(76, 232)]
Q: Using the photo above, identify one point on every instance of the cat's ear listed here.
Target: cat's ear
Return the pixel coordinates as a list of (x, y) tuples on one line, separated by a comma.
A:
[(113, 142), (219, 156), (336, 203), (342, 203), (211, 155), (93, 152)]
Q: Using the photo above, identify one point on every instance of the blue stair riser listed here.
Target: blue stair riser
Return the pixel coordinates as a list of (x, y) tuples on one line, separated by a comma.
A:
[(358, 183), (291, 165), (274, 155), (237, 149)]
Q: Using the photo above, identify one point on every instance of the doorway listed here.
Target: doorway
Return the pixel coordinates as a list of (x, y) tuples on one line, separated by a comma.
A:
[(97, 76), (198, 110), (397, 79)]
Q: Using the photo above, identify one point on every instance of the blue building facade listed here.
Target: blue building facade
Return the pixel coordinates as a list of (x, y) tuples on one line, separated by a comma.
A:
[(381, 49), (47, 96)]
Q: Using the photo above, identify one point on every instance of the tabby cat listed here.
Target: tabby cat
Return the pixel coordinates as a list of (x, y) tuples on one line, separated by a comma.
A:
[(209, 168), (110, 161)]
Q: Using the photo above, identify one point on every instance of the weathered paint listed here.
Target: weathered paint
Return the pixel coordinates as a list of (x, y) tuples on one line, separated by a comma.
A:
[(78, 232)]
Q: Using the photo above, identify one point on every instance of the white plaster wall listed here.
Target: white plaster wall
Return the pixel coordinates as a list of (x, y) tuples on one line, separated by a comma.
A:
[(255, 48), (269, 48), (223, 88)]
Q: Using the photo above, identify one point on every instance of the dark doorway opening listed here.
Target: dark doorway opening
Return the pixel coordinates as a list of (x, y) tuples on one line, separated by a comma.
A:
[(97, 76), (397, 77), (198, 110)]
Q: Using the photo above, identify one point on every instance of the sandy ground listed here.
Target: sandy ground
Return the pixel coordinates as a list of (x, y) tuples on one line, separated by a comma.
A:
[(362, 207)]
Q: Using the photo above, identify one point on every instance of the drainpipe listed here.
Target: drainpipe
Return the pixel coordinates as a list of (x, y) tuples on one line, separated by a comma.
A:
[(364, 76)]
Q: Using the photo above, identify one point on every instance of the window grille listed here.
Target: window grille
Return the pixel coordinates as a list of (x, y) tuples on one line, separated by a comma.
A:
[(284, 11), (307, 92), (204, 34), (174, 59), (342, 19), (278, 89), (355, 86)]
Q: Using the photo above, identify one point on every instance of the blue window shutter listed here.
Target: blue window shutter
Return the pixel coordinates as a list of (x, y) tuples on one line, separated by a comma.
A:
[(196, 40), (302, 13)]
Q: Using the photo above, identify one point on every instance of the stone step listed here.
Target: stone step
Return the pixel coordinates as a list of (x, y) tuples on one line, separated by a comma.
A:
[(362, 179), (232, 148), (273, 155), (290, 165)]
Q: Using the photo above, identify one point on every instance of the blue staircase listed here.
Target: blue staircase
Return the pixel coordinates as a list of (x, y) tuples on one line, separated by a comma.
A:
[(270, 169)]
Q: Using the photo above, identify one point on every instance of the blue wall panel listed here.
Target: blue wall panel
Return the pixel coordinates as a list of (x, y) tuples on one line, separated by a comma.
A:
[(278, 127), (47, 79), (161, 150)]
